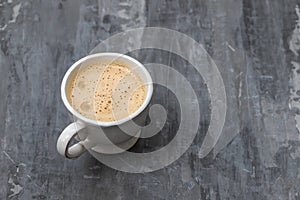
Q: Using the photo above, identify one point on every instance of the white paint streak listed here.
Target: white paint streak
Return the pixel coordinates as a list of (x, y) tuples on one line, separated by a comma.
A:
[(253, 172), (91, 177), (198, 179), (294, 45), (22, 164), (125, 4), (191, 185), (16, 189), (3, 27), (9, 1), (230, 47), (123, 14), (95, 167), (240, 90), (246, 170), (237, 76), (16, 12), (266, 77), (8, 156)]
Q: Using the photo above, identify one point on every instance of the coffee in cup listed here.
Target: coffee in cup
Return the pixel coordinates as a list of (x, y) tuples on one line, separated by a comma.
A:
[(106, 91)]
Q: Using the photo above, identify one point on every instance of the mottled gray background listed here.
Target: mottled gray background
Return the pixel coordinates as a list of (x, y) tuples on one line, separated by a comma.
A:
[(255, 44)]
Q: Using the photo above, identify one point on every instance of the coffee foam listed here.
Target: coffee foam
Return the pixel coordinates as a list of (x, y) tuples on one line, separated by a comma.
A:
[(107, 92)]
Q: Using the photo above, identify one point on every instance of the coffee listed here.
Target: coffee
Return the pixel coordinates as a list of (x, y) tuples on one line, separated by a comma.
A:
[(106, 91)]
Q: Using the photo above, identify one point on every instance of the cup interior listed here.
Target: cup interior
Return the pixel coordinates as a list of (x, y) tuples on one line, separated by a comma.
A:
[(105, 58)]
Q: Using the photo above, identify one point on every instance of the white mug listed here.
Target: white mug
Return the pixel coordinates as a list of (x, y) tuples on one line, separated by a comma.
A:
[(102, 137)]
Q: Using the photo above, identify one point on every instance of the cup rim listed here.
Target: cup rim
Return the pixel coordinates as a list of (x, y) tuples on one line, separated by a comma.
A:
[(103, 123)]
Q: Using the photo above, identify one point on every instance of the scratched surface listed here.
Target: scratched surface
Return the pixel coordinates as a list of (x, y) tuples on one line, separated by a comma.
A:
[(254, 43)]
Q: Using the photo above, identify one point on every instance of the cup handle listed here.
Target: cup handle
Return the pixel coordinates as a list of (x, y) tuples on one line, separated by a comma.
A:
[(66, 137)]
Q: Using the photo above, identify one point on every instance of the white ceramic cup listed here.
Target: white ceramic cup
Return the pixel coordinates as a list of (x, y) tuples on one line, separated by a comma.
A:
[(102, 137)]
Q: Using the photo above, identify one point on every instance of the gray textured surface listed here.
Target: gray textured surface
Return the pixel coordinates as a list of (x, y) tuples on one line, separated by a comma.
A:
[(255, 43)]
